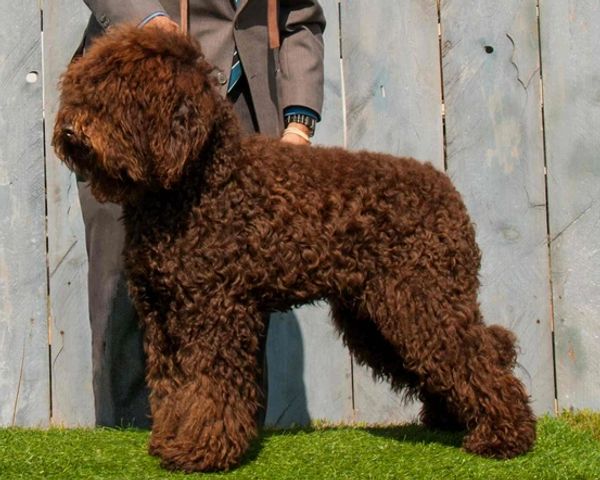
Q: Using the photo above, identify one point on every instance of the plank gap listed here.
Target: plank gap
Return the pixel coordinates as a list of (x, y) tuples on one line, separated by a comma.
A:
[(547, 206), (343, 83), (443, 99)]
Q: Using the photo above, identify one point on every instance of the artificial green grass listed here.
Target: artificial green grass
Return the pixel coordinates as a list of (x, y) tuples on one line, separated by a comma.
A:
[(584, 420), (566, 449)]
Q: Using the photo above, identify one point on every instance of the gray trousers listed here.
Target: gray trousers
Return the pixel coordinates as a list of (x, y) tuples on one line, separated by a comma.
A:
[(121, 395)]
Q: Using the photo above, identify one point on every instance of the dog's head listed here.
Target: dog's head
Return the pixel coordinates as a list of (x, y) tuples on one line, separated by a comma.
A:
[(134, 110)]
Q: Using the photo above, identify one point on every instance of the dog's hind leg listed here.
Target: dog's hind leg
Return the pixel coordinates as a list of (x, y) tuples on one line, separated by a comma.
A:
[(204, 409), (436, 413), (458, 360), (371, 349)]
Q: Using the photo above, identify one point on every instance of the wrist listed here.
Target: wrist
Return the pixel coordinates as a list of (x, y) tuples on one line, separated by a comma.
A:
[(299, 126), (298, 135)]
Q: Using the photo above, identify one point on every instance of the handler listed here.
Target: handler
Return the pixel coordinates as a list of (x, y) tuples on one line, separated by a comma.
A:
[(276, 87)]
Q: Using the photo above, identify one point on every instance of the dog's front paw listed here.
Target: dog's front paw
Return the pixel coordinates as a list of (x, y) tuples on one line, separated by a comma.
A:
[(494, 441), (194, 430), (212, 452)]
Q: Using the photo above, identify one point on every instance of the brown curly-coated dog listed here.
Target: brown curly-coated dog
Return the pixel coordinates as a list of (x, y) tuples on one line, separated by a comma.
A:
[(221, 230)]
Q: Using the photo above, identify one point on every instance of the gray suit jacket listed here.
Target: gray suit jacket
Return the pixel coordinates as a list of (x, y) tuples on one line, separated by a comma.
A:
[(292, 76)]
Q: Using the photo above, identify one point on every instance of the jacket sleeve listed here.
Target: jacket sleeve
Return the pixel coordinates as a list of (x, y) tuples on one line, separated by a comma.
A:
[(112, 12), (301, 54)]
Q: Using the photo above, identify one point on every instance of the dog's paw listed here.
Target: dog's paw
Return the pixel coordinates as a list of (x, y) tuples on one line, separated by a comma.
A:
[(212, 453), (500, 443), (194, 432)]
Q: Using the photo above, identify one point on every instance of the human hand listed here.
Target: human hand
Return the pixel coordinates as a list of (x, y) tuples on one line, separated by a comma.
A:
[(296, 134), (164, 23)]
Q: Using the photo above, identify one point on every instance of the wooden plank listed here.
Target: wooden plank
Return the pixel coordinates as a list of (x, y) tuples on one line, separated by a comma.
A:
[(309, 368), (72, 392), (393, 98), (570, 34), (392, 79), (495, 157), (24, 380)]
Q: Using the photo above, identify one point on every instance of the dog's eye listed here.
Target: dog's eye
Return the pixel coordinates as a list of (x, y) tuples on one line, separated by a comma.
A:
[(68, 133), (74, 147), (76, 153)]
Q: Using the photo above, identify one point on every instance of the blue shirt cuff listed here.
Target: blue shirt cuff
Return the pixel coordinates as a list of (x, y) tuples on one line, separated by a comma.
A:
[(299, 110), (152, 16)]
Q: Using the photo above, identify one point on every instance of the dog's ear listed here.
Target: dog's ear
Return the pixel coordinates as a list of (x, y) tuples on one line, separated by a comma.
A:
[(180, 139), (173, 151)]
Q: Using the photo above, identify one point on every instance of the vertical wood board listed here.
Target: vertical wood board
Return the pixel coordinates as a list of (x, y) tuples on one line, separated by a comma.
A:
[(24, 382), (495, 158), (309, 368), (570, 34), (392, 80), (72, 393), (393, 98)]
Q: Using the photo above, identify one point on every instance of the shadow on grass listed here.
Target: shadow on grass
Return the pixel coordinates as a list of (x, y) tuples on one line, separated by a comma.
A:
[(414, 434), (418, 434)]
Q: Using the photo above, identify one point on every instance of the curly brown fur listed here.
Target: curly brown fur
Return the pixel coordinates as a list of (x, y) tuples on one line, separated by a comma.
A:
[(222, 230)]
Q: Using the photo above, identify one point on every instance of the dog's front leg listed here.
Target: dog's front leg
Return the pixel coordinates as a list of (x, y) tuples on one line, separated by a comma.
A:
[(204, 411)]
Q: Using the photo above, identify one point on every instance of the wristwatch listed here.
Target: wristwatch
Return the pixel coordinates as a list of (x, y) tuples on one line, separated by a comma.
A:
[(306, 120)]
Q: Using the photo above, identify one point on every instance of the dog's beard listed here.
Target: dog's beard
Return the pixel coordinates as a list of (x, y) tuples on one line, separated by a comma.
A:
[(106, 189), (116, 190), (75, 153), (81, 159)]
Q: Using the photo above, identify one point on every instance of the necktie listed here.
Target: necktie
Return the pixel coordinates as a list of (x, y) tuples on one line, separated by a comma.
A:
[(236, 66)]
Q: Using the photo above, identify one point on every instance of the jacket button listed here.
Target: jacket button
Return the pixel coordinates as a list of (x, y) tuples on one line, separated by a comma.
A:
[(221, 78)]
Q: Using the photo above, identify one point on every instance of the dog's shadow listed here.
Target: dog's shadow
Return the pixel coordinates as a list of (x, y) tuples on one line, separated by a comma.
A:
[(410, 433), (417, 434)]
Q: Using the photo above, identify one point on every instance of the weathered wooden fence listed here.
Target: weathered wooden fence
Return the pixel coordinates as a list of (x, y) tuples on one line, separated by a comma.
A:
[(505, 96)]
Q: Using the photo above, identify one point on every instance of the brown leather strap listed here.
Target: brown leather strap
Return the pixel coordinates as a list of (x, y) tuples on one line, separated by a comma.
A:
[(184, 15), (272, 23)]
